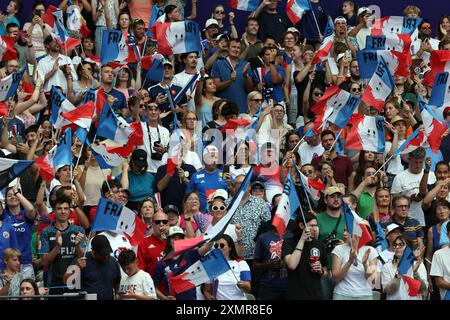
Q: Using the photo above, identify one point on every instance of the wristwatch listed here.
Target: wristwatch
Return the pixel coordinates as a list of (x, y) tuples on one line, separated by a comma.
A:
[(187, 219), (272, 62)]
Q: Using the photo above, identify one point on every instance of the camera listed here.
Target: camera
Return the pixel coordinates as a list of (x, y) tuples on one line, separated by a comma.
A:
[(156, 155), (330, 242)]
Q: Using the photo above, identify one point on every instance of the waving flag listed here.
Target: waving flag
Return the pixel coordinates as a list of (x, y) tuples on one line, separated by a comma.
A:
[(287, 206), (410, 285), (59, 32), (11, 169), (178, 37), (434, 129), (327, 42), (75, 21), (48, 16), (182, 93), (335, 106), (81, 116), (440, 94), (295, 9), (356, 228), (158, 15), (155, 67), (244, 5), (396, 42), (380, 86), (395, 25), (439, 62), (382, 242), (415, 140), (59, 105), (45, 170), (113, 156), (7, 50), (9, 84), (114, 127), (397, 62), (204, 270), (366, 133), (116, 217), (218, 229), (313, 187), (61, 154), (115, 47)]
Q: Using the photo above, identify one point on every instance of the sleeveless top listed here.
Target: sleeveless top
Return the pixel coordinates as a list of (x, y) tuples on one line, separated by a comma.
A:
[(205, 113), (436, 237)]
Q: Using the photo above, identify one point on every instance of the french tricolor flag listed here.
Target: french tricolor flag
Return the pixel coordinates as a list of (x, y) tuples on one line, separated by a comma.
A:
[(59, 105), (396, 61), (380, 86), (327, 42), (395, 25), (75, 21), (366, 133), (440, 94), (7, 50), (408, 285), (110, 156), (295, 9), (434, 129), (356, 228), (415, 140), (113, 216), (115, 47), (10, 169), (60, 33), (9, 85), (48, 16), (204, 270), (397, 42), (287, 206), (154, 65), (178, 37), (61, 154), (440, 62), (335, 106), (45, 170), (312, 186), (244, 5), (81, 116)]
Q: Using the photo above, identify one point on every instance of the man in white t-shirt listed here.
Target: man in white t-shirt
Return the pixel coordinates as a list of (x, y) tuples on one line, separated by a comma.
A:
[(136, 284), (407, 183), (312, 148), (181, 79), (440, 268)]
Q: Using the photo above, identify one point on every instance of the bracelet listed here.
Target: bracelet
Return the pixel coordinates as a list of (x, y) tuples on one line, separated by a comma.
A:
[(299, 249), (187, 219), (15, 193), (426, 171), (29, 46)]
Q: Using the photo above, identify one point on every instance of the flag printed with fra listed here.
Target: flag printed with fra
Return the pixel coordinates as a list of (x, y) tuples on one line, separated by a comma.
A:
[(366, 133), (113, 216), (395, 25), (9, 84), (368, 62), (440, 95), (380, 86), (178, 37), (115, 47)]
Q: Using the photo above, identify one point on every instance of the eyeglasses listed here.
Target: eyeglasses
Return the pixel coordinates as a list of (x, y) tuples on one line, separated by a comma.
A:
[(257, 100), (355, 90), (318, 94), (159, 222), (402, 206), (221, 245), (398, 245), (218, 208), (219, 12)]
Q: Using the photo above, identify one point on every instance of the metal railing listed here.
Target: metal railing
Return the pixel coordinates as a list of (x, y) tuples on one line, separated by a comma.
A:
[(82, 295)]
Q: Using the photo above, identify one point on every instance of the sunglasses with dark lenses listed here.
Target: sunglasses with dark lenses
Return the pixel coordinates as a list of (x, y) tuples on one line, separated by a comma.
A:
[(257, 100), (221, 245), (158, 222), (318, 94), (219, 12), (355, 90), (218, 208)]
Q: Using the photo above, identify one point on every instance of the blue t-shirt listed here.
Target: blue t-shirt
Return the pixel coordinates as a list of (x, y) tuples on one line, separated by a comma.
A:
[(205, 184), (23, 230), (277, 92), (141, 186), (177, 267), (120, 102), (221, 69), (268, 248), (435, 157), (7, 239), (8, 21), (307, 25)]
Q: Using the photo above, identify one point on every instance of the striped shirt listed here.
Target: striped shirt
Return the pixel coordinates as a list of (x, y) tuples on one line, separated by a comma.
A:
[(413, 229)]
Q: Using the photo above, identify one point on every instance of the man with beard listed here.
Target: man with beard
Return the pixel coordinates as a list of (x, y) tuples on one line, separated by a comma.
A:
[(23, 45), (107, 77), (354, 76), (52, 67), (250, 44), (331, 225), (365, 192), (190, 60)]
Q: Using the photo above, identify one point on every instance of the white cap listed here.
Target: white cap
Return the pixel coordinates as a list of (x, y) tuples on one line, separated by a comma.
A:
[(210, 148), (218, 193), (175, 230), (392, 227), (211, 22), (340, 18), (363, 10)]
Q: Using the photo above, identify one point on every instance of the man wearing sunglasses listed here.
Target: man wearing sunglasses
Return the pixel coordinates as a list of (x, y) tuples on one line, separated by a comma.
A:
[(151, 248), (424, 44)]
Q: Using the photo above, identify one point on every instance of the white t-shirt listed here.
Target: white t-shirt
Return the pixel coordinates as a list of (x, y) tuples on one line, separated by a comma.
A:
[(238, 172), (387, 257), (156, 134), (308, 152), (227, 288), (45, 65), (440, 266), (140, 283), (181, 79), (407, 183), (395, 164), (354, 283), (230, 230)]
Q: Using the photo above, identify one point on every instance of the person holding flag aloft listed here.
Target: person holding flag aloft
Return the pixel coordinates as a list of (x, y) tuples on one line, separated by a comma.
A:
[(440, 269)]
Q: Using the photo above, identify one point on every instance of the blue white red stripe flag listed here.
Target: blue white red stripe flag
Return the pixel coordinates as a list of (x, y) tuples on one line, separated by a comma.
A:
[(440, 94), (382, 243), (287, 206), (61, 154), (325, 48), (75, 21), (368, 62), (113, 216), (244, 5), (9, 85), (295, 9), (415, 140), (366, 133), (7, 50), (157, 15), (59, 105), (11, 169), (356, 227), (115, 47), (434, 129), (204, 270), (178, 37), (60, 33), (313, 187), (380, 86), (439, 62), (395, 25), (81, 116)]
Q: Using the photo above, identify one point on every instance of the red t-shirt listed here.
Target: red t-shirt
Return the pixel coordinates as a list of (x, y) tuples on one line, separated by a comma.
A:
[(150, 251)]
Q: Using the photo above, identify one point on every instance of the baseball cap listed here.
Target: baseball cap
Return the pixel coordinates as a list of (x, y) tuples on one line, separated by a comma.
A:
[(101, 246), (364, 10), (397, 119), (332, 190), (171, 208), (257, 183), (223, 35), (294, 30), (218, 193), (175, 230), (139, 157), (211, 22), (392, 227), (167, 62), (340, 18), (210, 148), (410, 97)]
